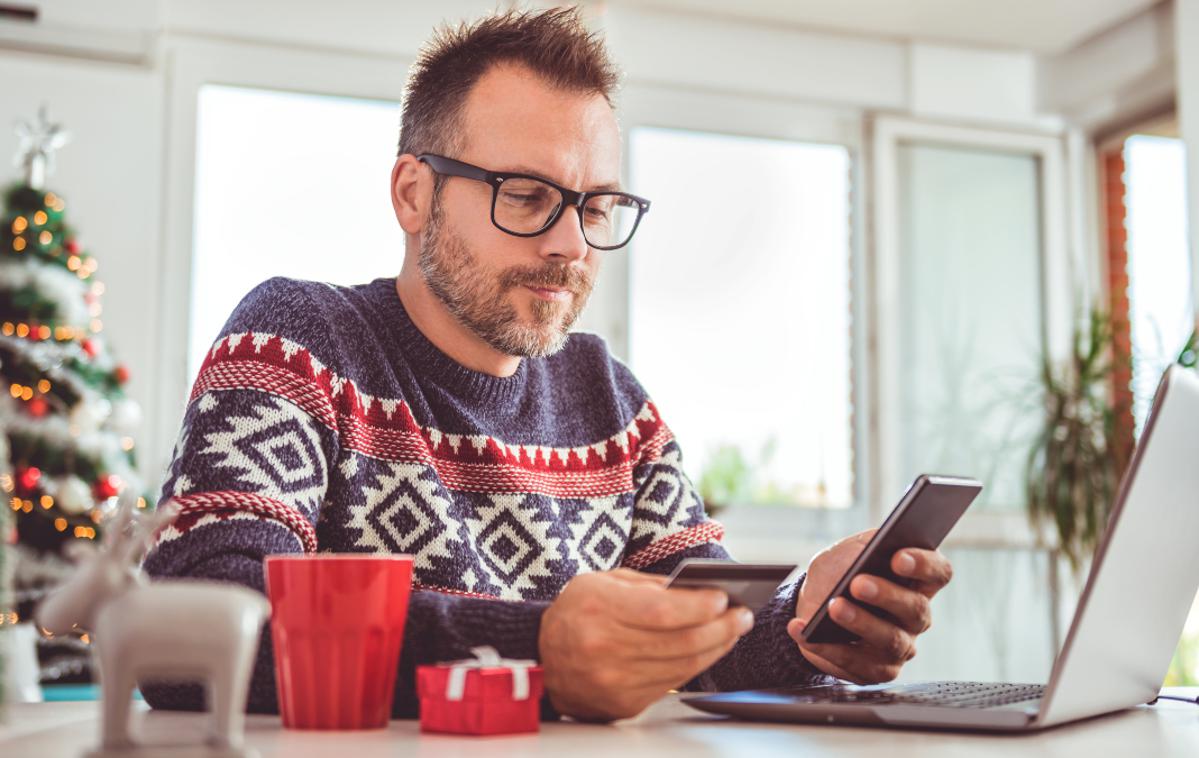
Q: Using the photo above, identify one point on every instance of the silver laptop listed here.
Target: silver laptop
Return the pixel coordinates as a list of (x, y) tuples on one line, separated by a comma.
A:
[(1128, 622)]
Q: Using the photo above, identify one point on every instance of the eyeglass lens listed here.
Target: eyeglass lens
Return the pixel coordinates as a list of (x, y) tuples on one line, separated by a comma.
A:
[(526, 206)]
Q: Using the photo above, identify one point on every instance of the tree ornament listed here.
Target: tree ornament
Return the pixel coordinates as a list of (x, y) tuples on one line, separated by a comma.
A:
[(126, 417), (72, 246), (108, 486), (37, 407), (73, 495), (27, 478), (89, 347), (38, 140), (121, 374)]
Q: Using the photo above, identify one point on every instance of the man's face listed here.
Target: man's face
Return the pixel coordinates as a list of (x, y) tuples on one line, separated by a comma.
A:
[(520, 295)]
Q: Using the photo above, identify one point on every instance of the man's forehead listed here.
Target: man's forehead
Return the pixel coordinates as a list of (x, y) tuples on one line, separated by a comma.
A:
[(515, 120)]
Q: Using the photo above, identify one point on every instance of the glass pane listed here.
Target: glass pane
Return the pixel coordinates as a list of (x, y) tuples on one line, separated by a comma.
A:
[(1159, 270), (970, 315), (288, 185), (740, 312)]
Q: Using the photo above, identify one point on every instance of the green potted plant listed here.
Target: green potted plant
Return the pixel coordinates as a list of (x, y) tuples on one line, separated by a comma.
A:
[(1074, 464)]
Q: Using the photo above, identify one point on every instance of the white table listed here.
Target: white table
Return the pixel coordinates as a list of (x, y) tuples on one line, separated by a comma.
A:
[(668, 728)]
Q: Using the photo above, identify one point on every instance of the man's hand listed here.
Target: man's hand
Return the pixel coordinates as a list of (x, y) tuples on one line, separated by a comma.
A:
[(613, 642), (885, 646)]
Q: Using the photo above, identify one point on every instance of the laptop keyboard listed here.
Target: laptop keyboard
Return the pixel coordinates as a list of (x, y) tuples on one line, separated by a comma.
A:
[(950, 694)]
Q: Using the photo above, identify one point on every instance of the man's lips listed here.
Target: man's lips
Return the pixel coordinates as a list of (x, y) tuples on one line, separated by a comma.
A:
[(549, 293)]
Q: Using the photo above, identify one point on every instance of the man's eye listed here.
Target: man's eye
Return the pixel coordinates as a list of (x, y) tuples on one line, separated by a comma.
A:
[(597, 214)]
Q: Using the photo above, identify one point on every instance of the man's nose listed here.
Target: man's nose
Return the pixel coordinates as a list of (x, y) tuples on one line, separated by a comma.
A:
[(565, 240)]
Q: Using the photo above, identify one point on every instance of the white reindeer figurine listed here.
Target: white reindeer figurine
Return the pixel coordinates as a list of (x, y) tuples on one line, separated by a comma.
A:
[(177, 630)]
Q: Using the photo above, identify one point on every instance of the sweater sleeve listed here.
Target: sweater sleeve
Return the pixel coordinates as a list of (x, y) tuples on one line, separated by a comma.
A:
[(250, 472), (669, 525)]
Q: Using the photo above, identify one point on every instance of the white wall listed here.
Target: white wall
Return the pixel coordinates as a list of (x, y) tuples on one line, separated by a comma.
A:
[(1188, 108)]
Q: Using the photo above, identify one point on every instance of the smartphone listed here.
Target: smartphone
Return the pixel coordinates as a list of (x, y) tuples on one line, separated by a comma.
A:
[(749, 584), (925, 514)]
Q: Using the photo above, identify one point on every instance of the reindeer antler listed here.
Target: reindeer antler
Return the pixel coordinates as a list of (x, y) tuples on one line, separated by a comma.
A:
[(145, 527)]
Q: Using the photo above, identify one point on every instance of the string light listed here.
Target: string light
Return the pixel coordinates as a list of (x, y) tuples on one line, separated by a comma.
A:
[(47, 502), (8, 328), (51, 199), (43, 331), (60, 524), (40, 218), (96, 325), (15, 390), (43, 386), (98, 289), (15, 503), (126, 443), (45, 237), (19, 224), (141, 502), (27, 393), (18, 244), (27, 506), (22, 330), (74, 262)]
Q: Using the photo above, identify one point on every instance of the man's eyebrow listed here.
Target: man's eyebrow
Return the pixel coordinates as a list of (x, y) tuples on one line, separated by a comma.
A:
[(519, 169)]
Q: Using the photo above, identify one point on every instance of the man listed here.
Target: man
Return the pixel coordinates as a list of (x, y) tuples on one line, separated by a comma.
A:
[(448, 414)]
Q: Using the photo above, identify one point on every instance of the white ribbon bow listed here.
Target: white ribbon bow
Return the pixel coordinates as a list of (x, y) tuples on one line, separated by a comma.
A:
[(487, 657)]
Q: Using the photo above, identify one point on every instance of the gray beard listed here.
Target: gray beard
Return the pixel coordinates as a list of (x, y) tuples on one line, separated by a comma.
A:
[(477, 300)]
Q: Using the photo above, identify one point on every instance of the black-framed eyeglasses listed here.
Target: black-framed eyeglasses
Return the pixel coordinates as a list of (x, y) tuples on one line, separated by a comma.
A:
[(526, 206)]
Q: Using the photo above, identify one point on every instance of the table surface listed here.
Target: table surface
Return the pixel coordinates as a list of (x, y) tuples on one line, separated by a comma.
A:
[(668, 727)]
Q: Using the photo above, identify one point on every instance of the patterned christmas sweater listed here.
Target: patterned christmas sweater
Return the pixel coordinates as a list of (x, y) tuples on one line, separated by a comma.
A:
[(323, 420)]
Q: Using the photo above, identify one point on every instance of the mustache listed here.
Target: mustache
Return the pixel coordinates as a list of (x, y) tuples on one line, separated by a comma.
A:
[(554, 276)]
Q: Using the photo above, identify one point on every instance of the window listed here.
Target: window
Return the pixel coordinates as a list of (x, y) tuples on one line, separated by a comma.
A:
[(739, 311), (1161, 317), (287, 184)]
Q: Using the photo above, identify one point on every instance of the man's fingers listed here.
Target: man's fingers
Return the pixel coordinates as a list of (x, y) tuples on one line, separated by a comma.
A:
[(642, 605), (928, 568), (676, 672), (727, 628), (859, 664), (894, 643), (909, 606), (639, 577)]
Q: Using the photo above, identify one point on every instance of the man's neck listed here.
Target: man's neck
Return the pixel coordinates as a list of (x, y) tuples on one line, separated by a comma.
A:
[(446, 332)]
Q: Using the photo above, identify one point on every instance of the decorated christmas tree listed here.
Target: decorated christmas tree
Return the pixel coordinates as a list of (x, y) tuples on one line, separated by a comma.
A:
[(68, 422)]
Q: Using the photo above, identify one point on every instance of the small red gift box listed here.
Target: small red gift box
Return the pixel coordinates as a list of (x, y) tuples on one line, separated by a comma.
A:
[(487, 695)]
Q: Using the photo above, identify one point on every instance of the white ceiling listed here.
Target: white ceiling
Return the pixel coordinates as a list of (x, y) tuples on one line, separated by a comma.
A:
[(1043, 26)]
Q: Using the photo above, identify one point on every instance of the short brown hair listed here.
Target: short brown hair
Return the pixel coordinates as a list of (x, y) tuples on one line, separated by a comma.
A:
[(552, 43)]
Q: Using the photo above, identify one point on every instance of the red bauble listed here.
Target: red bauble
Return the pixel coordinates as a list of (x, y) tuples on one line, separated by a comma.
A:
[(106, 487), (35, 333), (37, 407), (72, 246), (89, 347), (28, 477), (121, 374)]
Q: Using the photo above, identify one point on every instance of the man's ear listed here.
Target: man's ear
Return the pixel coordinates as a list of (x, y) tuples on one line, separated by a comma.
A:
[(411, 193)]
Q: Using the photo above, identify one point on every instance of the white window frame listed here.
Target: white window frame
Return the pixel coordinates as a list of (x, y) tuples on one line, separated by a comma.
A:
[(1060, 269)]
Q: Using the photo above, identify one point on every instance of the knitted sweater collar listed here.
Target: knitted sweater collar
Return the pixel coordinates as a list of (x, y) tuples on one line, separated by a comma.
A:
[(428, 361)]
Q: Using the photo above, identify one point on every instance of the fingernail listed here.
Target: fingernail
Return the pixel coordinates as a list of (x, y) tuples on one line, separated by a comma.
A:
[(867, 589), (906, 563), (745, 620), (847, 610)]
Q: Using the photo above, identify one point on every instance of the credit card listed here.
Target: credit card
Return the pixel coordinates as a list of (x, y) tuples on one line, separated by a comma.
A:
[(749, 584)]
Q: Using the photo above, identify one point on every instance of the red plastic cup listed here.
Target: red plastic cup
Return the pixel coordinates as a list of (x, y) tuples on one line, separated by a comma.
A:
[(337, 621)]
